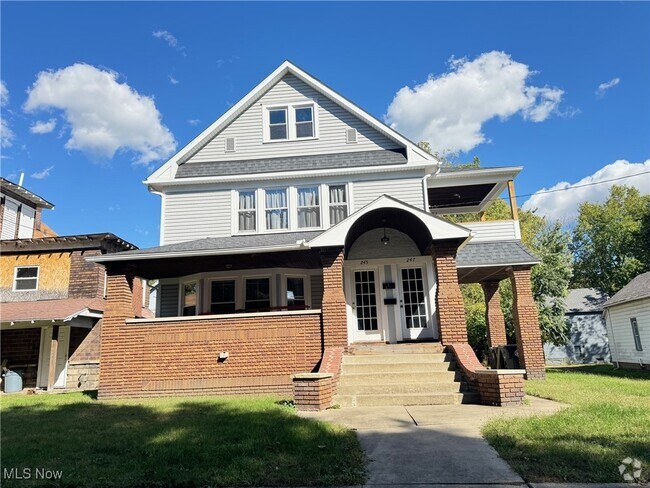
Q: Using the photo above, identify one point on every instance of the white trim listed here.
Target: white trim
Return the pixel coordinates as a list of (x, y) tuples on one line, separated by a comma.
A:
[(225, 316), (285, 68), (524, 263), (38, 276)]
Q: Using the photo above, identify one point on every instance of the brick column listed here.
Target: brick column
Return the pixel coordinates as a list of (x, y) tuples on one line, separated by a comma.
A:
[(119, 308), (496, 324), (450, 307), (529, 337), (335, 328)]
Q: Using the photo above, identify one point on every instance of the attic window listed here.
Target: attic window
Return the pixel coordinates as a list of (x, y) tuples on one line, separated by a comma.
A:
[(278, 124), (304, 122), (294, 122), (229, 144)]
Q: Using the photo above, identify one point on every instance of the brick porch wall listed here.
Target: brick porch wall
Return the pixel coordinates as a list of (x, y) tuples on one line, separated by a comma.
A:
[(335, 329), (450, 307), (160, 357), (496, 324)]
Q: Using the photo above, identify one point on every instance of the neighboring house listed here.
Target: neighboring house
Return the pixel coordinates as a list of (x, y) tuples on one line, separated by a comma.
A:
[(20, 212), (296, 225), (587, 333), (52, 301), (627, 315)]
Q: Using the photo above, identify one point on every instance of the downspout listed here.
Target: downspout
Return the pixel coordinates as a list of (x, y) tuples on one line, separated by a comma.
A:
[(425, 191)]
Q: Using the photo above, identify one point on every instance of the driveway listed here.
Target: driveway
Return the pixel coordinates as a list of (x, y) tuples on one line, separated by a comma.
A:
[(432, 445)]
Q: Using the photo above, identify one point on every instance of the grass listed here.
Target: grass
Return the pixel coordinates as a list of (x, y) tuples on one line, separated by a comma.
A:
[(183, 442), (609, 420)]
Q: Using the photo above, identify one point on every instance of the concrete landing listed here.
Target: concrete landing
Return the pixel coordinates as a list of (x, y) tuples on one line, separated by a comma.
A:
[(433, 444)]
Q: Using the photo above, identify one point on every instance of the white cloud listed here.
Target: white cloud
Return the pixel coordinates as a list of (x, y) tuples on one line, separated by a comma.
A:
[(603, 87), (194, 121), (173, 80), (41, 127), (44, 173), (104, 115), (170, 39), (4, 94), (7, 136), (563, 205), (449, 110)]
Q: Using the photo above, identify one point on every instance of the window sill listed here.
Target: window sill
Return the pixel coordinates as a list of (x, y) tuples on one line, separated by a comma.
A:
[(298, 139)]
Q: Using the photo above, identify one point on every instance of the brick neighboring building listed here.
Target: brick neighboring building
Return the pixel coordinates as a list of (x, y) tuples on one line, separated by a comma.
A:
[(51, 298), (295, 227)]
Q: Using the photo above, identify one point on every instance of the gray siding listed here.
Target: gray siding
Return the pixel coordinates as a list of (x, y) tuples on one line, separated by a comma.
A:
[(316, 291), (587, 342), (408, 190), (332, 122), (168, 300), (620, 331), (195, 215)]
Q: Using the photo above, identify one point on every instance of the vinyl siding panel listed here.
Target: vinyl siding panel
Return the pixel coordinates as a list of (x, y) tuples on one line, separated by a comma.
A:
[(501, 230), (332, 121), (408, 190), (621, 339), (9, 219), (26, 225), (195, 215)]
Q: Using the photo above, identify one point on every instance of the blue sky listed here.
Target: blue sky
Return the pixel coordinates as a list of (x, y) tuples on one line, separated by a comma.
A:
[(188, 62)]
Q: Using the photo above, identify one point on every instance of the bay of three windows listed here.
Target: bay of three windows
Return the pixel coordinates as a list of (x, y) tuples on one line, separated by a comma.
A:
[(275, 207)]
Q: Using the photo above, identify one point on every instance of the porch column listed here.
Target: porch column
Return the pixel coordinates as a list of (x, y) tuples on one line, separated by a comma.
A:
[(333, 308), (529, 336), (54, 350), (119, 308), (496, 324), (450, 307)]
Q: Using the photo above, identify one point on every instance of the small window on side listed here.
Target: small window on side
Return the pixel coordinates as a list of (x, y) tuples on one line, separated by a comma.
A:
[(636, 334), (26, 278)]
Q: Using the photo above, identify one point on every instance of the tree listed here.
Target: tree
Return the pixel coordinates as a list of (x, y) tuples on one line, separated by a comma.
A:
[(610, 241)]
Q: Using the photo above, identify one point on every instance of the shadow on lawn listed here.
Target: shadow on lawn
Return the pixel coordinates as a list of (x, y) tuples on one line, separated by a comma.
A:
[(603, 370), (194, 443)]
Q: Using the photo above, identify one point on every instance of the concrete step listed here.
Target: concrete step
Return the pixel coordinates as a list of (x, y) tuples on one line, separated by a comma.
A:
[(415, 358), (402, 348), (404, 399), (384, 388), (417, 377), (415, 368)]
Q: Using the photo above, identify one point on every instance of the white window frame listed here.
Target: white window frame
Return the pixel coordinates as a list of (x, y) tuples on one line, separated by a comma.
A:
[(181, 296), (268, 277), (306, 280), (329, 203), (237, 211), (320, 206), (38, 277), (291, 121), (313, 120), (290, 205)]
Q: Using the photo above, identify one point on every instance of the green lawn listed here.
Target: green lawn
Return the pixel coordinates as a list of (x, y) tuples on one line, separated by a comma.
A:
[(184, 442), (609, 420)]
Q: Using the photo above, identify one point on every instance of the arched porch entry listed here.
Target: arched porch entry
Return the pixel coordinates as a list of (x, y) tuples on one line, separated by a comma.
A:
[(389, 279)]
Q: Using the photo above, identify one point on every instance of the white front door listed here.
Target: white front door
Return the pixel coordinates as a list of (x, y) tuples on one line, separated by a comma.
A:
[(415, 316), (365, 308), (61, 368)]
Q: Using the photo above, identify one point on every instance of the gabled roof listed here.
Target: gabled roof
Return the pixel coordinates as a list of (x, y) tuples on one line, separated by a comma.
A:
[(25, 194), (164, 173), (59, 310), (636, 289), (106, 241), (583, 300), (497, 253)]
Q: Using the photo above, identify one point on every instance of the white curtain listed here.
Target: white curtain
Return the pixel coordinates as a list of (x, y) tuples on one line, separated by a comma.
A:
[(247, 210), (308, 207), (277, 215), (338, 204)]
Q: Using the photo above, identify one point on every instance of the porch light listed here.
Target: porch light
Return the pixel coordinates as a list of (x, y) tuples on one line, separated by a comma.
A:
[(384, 240)]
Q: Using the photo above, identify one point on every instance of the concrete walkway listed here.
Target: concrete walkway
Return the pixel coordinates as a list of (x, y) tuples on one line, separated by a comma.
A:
[(432, 445)]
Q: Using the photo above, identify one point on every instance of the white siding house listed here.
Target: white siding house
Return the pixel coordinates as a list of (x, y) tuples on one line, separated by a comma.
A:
[(627, 315)]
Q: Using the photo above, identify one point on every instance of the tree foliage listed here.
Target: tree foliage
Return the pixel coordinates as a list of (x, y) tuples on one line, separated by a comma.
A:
[(611, 240)]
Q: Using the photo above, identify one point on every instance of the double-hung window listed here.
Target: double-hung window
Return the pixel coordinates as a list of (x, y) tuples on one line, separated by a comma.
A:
[(277, 209), (304, 122), (222, 296), (338, 203), (247, 211), (258, 294), (308, 206), (635, 333), (26, 278), (278, 124)]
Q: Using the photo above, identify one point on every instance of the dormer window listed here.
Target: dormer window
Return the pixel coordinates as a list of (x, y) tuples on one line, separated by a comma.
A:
[(278, 124), (290, 122)]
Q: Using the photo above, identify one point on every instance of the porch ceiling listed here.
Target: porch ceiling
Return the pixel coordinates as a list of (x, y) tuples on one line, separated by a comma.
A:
[(459, 196), (477, 275)]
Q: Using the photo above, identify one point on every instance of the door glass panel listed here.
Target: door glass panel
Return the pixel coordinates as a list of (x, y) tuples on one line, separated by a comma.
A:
[(366, 300), (415, 310)]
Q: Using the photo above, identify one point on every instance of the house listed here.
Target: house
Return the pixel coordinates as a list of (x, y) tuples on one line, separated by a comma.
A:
[(587, 331), (627, 315), (296, 227), (51, 298)]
